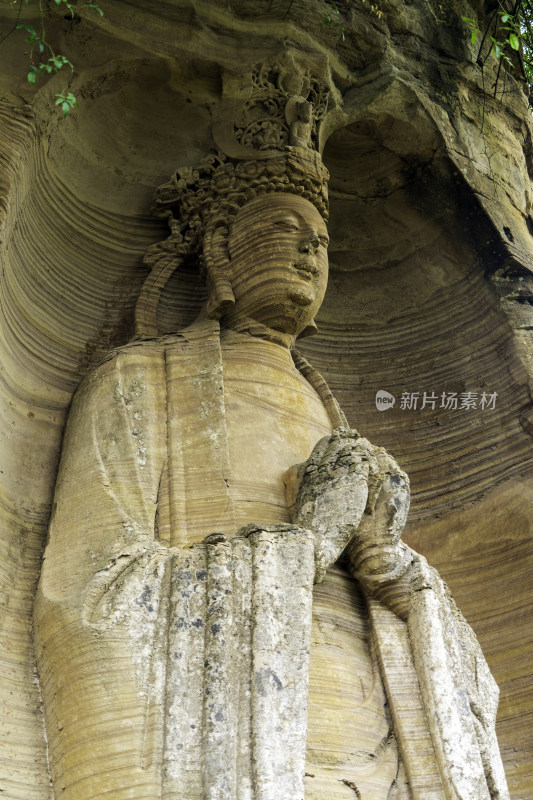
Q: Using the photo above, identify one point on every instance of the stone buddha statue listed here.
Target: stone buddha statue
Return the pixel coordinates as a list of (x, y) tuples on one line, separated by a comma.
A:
[(196, 635)]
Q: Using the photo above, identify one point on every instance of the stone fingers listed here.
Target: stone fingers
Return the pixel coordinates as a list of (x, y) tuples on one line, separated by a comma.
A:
[(339, 454), (384, 468)]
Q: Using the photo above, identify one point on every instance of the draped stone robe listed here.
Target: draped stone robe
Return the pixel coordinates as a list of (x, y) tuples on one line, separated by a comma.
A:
[(177, 666)]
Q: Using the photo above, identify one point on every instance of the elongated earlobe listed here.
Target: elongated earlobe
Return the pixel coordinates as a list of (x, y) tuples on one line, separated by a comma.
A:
[(217, 261), (220, 295), (309, 330)]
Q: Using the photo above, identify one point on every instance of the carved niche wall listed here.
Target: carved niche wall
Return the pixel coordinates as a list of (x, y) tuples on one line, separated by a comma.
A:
[(428, 288)]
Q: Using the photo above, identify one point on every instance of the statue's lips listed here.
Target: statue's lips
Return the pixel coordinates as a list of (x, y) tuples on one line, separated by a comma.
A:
[(306, 269), (309, 272)]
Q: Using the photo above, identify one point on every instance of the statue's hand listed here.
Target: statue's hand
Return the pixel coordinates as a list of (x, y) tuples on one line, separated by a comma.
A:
[(328, 494), (376, 552)]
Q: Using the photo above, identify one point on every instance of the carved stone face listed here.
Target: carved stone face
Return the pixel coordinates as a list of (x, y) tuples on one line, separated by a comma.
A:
[(278, 262)]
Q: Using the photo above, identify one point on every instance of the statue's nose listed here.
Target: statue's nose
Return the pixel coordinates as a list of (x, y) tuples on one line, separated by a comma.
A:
[(310, 244)]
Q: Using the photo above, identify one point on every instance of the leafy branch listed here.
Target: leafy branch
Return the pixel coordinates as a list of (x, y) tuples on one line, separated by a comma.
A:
[(43, 60), (526, 19), (509, 35)]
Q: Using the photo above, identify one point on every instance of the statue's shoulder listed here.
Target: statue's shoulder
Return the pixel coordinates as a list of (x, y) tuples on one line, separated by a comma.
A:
[(142, 354), (138, 357), (137, 349)]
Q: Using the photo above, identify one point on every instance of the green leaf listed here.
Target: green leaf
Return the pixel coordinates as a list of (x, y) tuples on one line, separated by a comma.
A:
[(473, 37), (506, 17), (31, 77), (67, 101), (27, 28), (327, 20), (497, 50), (513, 41)]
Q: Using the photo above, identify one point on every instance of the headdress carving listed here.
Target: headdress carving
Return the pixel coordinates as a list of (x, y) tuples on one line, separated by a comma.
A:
[(266, 142)]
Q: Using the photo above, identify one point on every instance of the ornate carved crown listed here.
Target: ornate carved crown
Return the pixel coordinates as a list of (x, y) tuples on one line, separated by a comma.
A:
[(195, 195), (267, 141)]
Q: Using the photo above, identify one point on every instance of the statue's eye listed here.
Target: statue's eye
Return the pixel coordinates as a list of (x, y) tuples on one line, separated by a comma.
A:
[(324, 241), (287, 224)]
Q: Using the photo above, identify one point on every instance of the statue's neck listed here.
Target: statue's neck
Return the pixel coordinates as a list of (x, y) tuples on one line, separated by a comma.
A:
[(256, 329), (255, 348)]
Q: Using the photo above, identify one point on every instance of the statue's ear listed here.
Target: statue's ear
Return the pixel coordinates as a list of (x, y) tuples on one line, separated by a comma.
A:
[(217, 263)]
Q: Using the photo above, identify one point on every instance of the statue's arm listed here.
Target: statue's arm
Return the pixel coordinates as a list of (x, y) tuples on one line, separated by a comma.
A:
[(113, 453)]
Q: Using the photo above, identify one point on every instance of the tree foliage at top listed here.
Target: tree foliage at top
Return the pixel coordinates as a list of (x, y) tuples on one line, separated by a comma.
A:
[(506, 33)]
